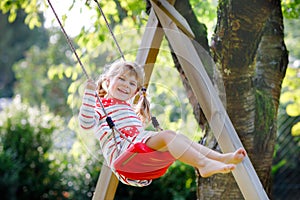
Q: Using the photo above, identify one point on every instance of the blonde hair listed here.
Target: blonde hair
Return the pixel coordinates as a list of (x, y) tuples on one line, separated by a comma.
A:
[(142, 107)]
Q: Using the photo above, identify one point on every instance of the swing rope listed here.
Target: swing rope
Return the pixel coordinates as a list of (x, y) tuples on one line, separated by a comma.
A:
[(108, 118), (69, 41), (110, 30)]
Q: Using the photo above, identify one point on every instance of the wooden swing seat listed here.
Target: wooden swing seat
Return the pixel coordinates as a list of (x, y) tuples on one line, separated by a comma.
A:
[(140, 162)]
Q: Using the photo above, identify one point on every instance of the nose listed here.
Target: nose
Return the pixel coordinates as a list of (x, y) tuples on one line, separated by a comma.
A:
[(126, 83)]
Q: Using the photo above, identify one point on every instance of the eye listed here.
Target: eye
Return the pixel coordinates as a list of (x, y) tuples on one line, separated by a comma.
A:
[(133, 83), (121, 78)]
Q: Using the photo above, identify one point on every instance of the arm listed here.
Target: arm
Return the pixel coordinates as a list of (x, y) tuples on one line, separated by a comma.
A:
[(87, 115)]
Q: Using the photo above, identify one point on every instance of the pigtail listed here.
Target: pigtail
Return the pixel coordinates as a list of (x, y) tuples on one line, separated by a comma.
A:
[(143, 107)]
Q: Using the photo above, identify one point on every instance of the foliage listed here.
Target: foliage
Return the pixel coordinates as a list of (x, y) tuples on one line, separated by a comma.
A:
[(290, 96), (31, 8), (31, 167), (25, 143), (292, 39), (16, 38), (291, 8), (50, 89), (78, 171), (285, 169), (289, 99), (206, 12), (178, 184)]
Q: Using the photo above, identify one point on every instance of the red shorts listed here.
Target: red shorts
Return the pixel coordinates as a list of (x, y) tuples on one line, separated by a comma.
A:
[(140, 162)]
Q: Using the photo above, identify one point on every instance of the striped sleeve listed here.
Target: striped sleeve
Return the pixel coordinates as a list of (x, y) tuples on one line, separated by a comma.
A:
[(87, 115)]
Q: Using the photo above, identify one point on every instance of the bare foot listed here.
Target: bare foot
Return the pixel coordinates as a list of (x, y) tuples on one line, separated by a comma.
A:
[(212, 167), (235, 157)]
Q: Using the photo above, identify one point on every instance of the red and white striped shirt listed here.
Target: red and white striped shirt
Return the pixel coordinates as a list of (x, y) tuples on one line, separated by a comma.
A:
[(125, 119)]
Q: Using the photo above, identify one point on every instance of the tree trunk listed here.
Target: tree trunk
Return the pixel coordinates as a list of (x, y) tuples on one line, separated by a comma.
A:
[(271, 64), (252, 110)]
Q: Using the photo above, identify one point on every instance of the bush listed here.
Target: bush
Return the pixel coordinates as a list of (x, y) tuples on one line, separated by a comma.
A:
[(33, 167), (25, 142)]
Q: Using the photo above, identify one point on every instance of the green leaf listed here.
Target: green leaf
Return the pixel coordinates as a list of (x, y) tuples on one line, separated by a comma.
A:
[(12, 17), (70, 99), (293, 110), (51, 73), (74, 75), (296, 129), (68, 72), (286, 97), (72, 88)]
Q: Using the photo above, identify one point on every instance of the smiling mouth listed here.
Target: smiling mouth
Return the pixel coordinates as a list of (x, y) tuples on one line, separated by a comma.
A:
[(123, 91)]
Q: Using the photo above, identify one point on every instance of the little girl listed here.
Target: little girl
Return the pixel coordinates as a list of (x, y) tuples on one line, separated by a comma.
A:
[(116, 88)]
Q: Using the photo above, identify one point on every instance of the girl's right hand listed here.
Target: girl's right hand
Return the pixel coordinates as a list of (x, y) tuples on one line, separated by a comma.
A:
[(90, 85)]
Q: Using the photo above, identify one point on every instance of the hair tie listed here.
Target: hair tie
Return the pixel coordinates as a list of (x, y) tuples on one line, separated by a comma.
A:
[(144, 91)]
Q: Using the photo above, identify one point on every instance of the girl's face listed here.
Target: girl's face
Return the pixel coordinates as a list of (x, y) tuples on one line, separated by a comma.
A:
[(122, 87)]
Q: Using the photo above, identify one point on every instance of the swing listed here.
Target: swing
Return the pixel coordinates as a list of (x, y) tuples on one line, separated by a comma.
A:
[(138, 162), (164, 15)]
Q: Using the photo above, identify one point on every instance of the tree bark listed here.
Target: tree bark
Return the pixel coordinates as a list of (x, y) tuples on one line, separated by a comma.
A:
[(238, 36), (271, 63)]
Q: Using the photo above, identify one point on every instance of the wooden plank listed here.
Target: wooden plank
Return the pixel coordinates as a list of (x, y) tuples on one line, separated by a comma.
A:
[(149, 47), (175, 16), (211, 104), (150, 44), (106, 185)]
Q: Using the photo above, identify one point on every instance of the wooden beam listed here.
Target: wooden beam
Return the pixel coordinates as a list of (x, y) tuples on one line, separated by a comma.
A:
[(106, 185), (149, 47), (211, 104), (175, 16)]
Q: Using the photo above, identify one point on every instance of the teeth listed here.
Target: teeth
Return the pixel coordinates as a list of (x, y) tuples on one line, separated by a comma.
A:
[(124, 91)]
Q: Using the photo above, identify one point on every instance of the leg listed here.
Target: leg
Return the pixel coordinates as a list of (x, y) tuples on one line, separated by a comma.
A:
[(234, 157), (182, 150)]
